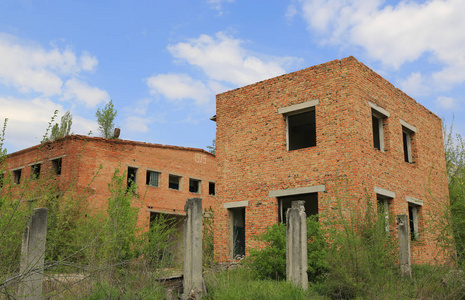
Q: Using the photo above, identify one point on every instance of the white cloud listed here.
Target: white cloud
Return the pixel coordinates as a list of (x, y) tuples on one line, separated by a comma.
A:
[(395, 34), (448, 103), (27, 119), (77, 90), (178, 87), (30, 68), (137, 124), (224, 64), (415, 85), (223, 58), (218, 4)]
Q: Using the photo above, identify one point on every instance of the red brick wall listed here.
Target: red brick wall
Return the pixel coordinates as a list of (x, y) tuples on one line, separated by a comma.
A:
[(83, 156), (253, 160)]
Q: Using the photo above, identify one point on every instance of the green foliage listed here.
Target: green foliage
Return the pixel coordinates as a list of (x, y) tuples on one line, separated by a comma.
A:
[(270, 261), (455, 163), (61, 130), (212, 148), (159, 240), (207, 242), (106, 120), (240, 283), (361, 255), (122, 219)]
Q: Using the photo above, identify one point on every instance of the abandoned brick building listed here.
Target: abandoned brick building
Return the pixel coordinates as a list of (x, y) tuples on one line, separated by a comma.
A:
[(335, 132), (166, 176)]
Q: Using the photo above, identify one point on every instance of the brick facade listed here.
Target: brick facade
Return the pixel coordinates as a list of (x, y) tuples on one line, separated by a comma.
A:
[(82, 156), (255, 168)]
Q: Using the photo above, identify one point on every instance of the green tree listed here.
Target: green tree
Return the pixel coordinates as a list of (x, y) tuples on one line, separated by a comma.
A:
[(106, 120), (212, 148), (61, 130)]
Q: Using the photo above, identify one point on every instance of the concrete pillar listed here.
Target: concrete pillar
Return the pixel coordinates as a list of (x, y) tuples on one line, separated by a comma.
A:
[(32, 256), (193, 281), (296, 245), (404, 245)]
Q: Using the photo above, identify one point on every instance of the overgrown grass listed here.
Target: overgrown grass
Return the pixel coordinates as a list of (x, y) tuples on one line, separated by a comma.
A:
[(240, 284)]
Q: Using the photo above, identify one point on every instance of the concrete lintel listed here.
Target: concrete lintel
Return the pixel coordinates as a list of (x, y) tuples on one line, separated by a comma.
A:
[(297, 191), (166, 212), (408, 126), (16, 169), (36, 163), (57, 157), (379, 109), (384, 192), (236, 204), (414, 200), (299, 107)]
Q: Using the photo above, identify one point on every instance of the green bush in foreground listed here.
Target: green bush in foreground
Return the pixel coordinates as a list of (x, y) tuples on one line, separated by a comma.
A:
[(270, 261), (240, 284)]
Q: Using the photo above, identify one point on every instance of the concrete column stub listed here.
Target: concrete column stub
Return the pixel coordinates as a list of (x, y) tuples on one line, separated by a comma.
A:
[(404, 245), (193, 281), (32, 256), (296, 245)]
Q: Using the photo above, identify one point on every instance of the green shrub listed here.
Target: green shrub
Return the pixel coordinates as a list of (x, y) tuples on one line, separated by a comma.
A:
[(270, 261)]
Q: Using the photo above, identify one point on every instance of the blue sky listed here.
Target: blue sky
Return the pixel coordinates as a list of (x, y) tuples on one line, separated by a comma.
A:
[(163, 62)]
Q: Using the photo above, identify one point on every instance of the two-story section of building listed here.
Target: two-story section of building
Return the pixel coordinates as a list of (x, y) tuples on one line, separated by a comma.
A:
[(165, 176), (332, 133)]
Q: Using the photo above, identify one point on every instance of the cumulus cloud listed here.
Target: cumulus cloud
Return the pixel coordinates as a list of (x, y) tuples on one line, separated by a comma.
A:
[(415, 85), (224, 63), (223, 58), (79, 91), (178, 87), (27, 119), (29, 68), (218, 4), (395, 34), (448, 103)]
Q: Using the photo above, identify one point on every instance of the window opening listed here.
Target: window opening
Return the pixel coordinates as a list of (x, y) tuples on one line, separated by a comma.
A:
[(56, 166), (174, 182), (194, 185), (17, 176), (211, 188), (301, 130), (378, 132), (35, 171), (152, 178), (311, 204), (238, 231), (383, 210), (407, 143), (132, 176), (413, 211)]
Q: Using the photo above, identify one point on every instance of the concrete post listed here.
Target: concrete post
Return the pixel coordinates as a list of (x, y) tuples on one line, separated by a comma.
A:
[(32, 256), (404, 245), (296, 245), (193, 281)]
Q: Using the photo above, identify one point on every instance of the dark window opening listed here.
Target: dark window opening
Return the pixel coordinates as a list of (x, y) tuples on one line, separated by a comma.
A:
[(377, 132), (301, 130), (407, 145), (194, 185), (152, 178), (238, 231), (2, 178), (174, 182), (131, 180), (311, 204), (413, 221), (56, 166), (211, 188), (17, 176), (35, 171)]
